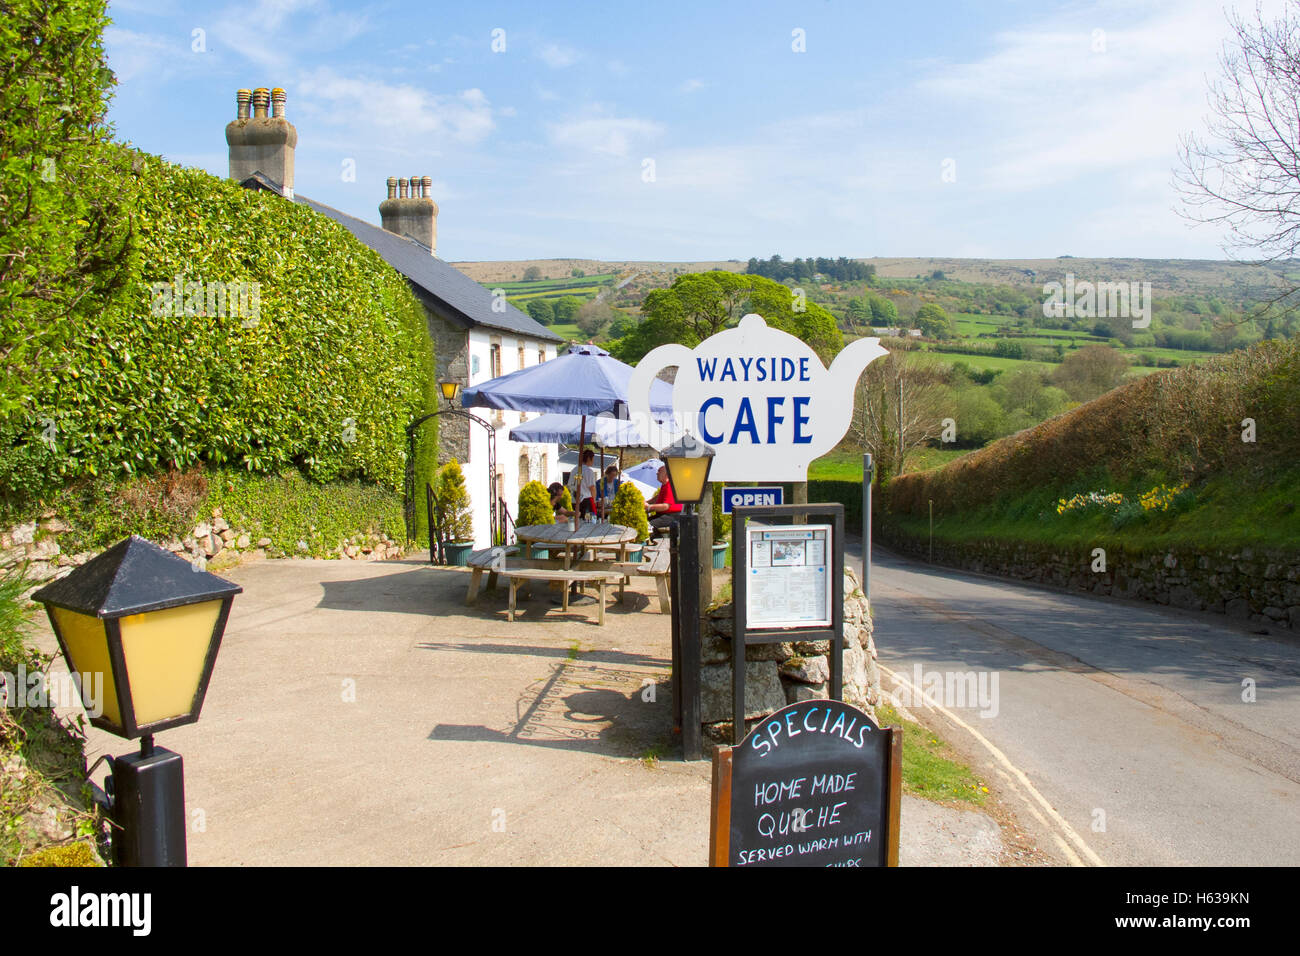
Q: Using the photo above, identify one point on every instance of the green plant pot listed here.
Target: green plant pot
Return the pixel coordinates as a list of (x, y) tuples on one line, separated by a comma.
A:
[(634, 551), (720, 555), (458, 552)]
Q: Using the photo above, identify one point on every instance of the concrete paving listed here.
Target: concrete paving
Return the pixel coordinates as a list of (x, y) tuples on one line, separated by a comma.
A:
[(360, 714)]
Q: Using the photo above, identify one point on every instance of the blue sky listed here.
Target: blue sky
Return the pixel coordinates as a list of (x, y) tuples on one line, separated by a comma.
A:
[(1057, 123)]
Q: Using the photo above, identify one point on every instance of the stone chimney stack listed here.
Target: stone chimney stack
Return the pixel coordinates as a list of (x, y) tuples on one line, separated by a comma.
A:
[(410, 211), (263, 142)]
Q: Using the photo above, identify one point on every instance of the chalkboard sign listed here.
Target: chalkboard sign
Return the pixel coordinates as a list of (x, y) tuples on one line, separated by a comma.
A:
[(815, 784)]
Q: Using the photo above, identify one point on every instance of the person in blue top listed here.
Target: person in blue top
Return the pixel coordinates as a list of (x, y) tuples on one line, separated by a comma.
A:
[(607, 488)]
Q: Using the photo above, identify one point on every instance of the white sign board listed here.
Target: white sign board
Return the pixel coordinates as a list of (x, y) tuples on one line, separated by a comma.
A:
[(759, 396), (788, 581)]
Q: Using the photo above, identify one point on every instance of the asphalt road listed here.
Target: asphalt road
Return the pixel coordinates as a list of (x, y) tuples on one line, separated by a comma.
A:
[(1119, 729)]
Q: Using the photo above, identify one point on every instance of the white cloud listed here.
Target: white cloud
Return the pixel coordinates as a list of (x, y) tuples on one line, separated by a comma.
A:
[(132, 54), (600, 133), (272, 35), (556, 56), (691, 86), (1105, 90), (466, 117)]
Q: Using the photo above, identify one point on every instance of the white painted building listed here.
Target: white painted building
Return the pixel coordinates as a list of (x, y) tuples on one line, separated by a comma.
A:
[(476, 335)]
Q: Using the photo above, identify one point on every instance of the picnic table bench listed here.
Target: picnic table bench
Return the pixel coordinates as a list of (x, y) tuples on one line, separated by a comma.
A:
[(567, 576), (491, 560), (655, 563)]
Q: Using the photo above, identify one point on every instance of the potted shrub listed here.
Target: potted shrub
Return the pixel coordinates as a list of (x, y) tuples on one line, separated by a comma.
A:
[(628, 510), (721, 530), (452, 512), (534, 508)]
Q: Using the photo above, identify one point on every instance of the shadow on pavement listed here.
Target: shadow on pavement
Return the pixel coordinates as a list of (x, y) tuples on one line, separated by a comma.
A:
[(587, 706)]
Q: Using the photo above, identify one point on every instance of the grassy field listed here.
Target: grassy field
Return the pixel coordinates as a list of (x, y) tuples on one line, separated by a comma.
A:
[(846, 464), (1226, 512)]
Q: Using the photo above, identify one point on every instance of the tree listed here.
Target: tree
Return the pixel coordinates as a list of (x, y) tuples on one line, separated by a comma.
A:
[(566, 308), (541, 311), (892, 429), (532, 274), (593, 316), (1244, 173), (883, 312), (577, 273), (934, 323), (451, 504), (1090, 372), (698, 305), (64, 235)]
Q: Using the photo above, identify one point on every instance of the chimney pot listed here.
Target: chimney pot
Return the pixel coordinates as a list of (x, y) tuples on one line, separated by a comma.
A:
[(426, 187), (263, 147), (403, 185), (415, 187), (392, 187)]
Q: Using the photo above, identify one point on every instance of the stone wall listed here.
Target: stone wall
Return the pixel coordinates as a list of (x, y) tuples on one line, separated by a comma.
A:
[(213, 545), (781, 674), (1247, 584), (451, 349)]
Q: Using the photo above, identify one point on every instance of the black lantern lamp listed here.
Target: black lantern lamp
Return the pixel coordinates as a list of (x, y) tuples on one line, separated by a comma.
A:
[(150, 623), (449, 390), (688, 460)]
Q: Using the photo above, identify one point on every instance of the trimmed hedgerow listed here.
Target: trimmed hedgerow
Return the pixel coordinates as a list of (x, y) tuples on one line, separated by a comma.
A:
[(292, 511), (1175, 426), (322, 377)]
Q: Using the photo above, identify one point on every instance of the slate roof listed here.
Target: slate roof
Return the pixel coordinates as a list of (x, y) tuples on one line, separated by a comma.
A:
[(445, 285)]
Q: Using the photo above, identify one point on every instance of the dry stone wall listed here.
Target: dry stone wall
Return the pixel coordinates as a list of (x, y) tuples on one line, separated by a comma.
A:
[(781, 674), (36, 547), (1247, 584)]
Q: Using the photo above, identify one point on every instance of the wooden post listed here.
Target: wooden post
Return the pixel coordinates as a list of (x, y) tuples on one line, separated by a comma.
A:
[(720, 811)]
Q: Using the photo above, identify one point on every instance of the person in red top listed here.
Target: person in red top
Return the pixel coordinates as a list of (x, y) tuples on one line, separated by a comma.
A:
[(663, 504)]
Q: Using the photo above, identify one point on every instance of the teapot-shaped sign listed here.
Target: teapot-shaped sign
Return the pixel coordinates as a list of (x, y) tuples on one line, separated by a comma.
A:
[(761, 397)]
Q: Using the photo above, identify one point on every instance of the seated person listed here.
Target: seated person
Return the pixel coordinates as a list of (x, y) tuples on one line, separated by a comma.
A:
[(663, 506), (607, 488), (585, 480), (557, 501)]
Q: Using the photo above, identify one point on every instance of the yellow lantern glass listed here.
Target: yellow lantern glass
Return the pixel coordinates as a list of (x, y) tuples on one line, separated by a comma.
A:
[(85, 644), (449, 390), (688, 476), (164, 653)]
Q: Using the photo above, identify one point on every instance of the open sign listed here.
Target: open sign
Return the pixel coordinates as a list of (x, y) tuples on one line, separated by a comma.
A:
[(731, 497)]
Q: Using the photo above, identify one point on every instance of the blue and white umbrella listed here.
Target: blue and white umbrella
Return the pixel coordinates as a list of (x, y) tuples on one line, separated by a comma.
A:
[(585, 381)]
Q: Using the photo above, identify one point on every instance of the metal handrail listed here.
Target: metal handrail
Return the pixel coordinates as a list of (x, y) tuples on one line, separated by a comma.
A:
[(435, 540)]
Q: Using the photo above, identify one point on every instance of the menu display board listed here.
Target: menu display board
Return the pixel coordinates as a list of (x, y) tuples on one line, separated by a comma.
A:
[(789, 580)]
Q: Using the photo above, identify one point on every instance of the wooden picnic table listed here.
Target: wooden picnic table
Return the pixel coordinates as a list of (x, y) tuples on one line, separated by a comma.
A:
[(601, 536)]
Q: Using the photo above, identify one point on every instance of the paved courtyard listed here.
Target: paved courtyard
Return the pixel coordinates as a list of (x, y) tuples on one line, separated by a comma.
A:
[(361, 714)]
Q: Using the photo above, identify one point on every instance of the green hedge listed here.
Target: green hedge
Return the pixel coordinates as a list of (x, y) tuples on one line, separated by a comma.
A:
[(323, 378)]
